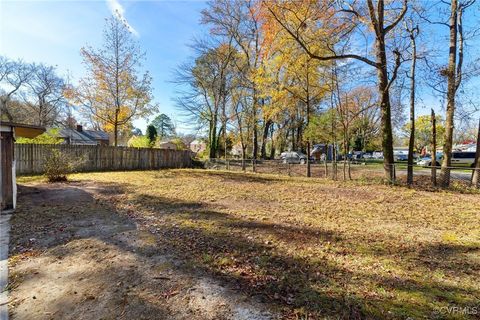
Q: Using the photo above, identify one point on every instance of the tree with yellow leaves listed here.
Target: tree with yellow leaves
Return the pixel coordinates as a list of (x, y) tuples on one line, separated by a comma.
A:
[(296, 79), (114, 92)]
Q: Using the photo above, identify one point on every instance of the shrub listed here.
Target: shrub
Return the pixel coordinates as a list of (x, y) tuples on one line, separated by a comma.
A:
[(49, 137), (139, 142), (57, 166), (179, 143)]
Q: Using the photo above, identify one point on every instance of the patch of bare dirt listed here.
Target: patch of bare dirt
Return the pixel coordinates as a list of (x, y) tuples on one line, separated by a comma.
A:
[(72, 257)]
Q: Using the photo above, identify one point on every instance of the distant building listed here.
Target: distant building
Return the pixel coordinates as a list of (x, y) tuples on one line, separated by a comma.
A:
[(167, 145), (84, 137), (198, 146), (237, 150)]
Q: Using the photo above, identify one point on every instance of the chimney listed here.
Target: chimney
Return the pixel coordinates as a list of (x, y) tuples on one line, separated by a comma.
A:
[(79, 128)]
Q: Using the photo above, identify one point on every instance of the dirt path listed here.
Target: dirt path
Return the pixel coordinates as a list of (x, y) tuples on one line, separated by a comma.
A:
[(73, 257)]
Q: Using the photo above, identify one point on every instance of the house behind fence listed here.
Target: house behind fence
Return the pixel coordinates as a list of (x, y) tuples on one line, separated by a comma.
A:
[(30, 158)]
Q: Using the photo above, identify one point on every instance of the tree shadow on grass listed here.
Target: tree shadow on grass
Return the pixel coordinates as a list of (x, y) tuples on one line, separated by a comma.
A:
[(235, 176), (234, 250)]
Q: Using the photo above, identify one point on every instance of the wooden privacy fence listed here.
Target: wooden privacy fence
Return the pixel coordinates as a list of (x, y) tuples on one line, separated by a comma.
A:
[(30, 158)]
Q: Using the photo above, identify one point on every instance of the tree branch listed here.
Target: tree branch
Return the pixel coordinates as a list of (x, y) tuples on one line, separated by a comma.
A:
[(315, 56), (399, 18)]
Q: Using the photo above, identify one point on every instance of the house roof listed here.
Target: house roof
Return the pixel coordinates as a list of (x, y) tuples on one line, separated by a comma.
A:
[(97, 135), (76, 137), (24, 130)]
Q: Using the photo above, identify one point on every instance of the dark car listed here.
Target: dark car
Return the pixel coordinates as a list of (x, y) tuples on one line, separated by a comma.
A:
[(401, 157), (293, 157)]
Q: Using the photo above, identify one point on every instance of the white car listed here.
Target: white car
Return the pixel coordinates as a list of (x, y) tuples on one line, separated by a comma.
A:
[(459, 159), (463, 159)]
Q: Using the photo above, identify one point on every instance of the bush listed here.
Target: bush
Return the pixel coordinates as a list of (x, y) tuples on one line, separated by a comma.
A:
[(49, 137), (139, 142), (57, 166)]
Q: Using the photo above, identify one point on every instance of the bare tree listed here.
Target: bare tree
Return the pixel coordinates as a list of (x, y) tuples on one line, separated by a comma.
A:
[(205, 88), (413, 32), (45, 94), (453, 74), (13, 76), (239, 21)]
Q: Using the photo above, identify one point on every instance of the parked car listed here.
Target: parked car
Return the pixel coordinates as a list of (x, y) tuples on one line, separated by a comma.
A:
[(401, 157), (427, 160), (293, 157), (463, 159), (367, 156), (459, 159), (377, 155)]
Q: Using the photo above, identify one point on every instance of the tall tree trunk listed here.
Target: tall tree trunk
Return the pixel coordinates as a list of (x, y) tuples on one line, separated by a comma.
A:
[(115, 128), (293, 140), (345, 157), (386, 121), (243, 157), (434, 149), (225, 139), (115, 135), (451, 90), (272, 149), (326, 158), (411, 141), (299, 138), (213, 138), (476, 171), (349, 160), (309, 172), (263, 149), (255, 127)]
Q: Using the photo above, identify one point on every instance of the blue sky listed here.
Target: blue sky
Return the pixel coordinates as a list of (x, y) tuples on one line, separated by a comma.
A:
[(53, 32)]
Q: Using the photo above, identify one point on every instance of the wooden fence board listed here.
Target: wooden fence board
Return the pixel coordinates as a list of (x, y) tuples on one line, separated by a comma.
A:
[(30, 158)]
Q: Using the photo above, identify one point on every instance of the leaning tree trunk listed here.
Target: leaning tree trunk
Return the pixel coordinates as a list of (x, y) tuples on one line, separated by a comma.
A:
[(451, 90)]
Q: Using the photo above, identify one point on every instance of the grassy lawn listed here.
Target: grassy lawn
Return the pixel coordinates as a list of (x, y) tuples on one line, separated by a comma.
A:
[(312, 248)]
